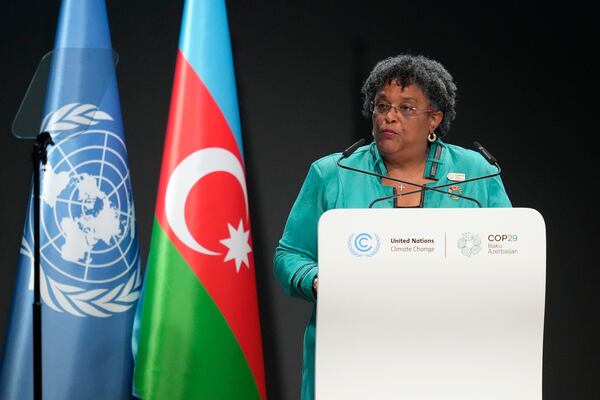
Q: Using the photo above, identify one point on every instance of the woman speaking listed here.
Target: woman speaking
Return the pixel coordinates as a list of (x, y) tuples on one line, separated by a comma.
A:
[(411, 102)]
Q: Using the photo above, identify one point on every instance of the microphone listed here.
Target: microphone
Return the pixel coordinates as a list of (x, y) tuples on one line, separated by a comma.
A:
[(348, 152), (353, 148), (486, 154), (482, 150)]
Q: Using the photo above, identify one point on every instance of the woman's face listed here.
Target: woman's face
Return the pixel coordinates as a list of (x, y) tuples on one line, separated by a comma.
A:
[(403, 128)]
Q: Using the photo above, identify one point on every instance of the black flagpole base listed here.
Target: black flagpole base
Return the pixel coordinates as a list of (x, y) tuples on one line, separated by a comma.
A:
[(39, 158)]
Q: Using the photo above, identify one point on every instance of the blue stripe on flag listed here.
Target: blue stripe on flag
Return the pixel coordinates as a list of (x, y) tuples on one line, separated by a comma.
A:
[(205, 36)]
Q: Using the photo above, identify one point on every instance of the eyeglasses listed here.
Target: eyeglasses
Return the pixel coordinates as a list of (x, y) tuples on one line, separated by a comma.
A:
[(383, 108)]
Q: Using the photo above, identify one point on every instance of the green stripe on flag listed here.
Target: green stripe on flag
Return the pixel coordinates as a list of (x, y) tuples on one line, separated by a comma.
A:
[(186, 348)]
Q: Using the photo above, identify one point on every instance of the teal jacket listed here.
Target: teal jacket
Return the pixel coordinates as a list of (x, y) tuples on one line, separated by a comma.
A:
[(328, 186)]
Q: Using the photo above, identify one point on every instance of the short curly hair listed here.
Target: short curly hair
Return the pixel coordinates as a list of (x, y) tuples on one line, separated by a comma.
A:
[(428, 74)]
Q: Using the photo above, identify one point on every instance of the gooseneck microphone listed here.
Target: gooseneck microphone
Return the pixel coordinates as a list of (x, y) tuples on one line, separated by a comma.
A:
[(348, 152), (486, 154)]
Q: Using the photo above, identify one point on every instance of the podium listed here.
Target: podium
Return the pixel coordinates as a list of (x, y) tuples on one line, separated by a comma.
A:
[(430, 304)]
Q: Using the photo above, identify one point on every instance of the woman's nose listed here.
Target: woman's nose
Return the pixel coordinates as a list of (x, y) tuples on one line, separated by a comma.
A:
[(391, 115)]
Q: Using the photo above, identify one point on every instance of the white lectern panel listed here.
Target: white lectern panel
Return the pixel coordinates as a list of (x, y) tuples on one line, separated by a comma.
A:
[(432, 304)]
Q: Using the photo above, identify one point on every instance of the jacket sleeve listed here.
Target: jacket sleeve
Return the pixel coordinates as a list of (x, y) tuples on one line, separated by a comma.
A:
[(295, 258), (492, 192), (497, 196)]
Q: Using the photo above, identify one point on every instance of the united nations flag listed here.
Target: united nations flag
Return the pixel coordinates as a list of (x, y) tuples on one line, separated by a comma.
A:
[(89, 256)]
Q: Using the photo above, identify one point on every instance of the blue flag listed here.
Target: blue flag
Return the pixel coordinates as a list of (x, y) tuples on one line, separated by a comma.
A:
[(90, 276)]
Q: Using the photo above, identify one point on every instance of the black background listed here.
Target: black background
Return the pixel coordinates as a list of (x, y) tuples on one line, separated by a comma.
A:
[(527, 92)]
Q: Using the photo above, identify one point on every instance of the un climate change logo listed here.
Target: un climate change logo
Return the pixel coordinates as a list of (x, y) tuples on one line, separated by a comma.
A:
[(469, 244), (89, 250), (364, 244)]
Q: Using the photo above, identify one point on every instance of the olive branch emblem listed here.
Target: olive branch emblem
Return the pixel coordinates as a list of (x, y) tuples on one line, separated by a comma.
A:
[(77, 301), (73, 115)]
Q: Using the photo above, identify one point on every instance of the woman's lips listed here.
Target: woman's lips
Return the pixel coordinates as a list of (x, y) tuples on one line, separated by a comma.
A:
[(387, 133)]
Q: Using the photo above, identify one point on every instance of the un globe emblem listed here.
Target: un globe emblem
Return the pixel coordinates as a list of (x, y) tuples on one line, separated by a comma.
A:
[(89, 252)]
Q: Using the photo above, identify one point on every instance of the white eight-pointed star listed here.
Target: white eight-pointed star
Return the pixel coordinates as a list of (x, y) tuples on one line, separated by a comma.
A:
[(238, 246)]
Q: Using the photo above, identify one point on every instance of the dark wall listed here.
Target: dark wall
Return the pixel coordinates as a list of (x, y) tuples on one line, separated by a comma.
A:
[(527, 92)]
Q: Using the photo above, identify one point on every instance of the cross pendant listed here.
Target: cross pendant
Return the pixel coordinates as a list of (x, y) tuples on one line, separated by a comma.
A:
[(401, 187)]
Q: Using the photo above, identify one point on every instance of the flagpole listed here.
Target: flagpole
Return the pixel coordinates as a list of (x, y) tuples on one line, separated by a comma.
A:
[(39, 158)]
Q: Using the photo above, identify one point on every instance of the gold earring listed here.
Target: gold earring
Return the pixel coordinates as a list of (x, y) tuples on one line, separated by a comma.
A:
[(431, 137)]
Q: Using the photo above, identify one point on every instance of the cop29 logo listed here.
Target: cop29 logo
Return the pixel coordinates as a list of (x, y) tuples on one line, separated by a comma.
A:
[(469, 244), (364, 244)]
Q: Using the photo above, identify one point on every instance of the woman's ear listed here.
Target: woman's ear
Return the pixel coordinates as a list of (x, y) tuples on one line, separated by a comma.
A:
[(436, 120)]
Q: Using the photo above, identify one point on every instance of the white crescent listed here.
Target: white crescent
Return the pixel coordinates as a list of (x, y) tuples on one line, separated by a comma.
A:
[(189, 171)]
